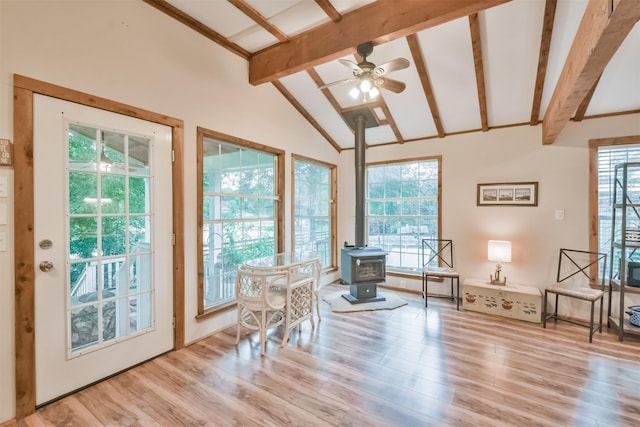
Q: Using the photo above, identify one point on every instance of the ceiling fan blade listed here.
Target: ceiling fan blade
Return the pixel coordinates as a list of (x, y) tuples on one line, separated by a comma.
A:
[(390, 84), (352, 65), (337, 82), (393, 65)]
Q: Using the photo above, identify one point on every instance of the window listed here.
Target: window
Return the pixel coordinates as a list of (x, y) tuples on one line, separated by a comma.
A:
[(607, 159), (239, 212), (314, 209), (403, 207)]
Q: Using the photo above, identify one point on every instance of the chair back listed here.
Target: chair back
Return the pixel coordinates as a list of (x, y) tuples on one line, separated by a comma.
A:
[(582, 268), (438, 251), (254, 287)]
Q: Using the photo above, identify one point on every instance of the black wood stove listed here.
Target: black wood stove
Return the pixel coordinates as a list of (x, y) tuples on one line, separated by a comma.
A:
[(361, 268)]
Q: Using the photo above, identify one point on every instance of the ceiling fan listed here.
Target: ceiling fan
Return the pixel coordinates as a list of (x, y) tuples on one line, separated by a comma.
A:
[(369, 76)]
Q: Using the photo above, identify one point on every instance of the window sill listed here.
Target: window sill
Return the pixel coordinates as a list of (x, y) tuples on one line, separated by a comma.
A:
[(210, 312)]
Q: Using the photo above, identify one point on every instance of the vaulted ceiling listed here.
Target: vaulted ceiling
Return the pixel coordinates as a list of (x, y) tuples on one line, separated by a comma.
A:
[(475, 65)]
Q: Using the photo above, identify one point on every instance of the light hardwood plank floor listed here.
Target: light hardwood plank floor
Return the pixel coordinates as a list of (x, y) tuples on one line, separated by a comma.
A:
[(412, 366)]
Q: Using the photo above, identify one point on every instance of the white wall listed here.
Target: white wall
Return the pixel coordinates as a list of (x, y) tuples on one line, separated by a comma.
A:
[(129, 52), (504, 155)]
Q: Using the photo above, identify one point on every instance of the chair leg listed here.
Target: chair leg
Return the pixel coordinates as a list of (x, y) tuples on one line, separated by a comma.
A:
[(426, 289), (452, 289), (601, 303), (555, 311), (238, 327), (544, 310), (591, 330), (317, 303), (457, 293)]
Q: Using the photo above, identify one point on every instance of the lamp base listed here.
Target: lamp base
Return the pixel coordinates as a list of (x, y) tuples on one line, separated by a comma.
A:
[(495, 280), (502, 282)]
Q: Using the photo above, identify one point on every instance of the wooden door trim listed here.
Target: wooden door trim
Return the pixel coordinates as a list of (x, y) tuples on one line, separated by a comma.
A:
[(24, 297)]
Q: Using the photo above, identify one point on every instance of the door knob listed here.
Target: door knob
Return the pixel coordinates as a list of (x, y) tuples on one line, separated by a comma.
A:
[(46, 266)]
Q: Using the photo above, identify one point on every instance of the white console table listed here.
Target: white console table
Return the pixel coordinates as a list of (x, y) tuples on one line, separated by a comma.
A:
[(513, 300)]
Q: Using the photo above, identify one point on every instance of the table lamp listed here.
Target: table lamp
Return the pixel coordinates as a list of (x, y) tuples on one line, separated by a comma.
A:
[(499, 251)]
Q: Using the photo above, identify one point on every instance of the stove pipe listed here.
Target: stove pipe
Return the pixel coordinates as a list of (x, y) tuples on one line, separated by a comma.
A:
[(359, 167)]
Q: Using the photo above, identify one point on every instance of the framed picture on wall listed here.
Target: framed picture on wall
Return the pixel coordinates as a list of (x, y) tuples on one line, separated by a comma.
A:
[(508, 194)]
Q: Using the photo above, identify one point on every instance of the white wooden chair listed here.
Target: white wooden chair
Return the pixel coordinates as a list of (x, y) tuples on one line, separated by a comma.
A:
[(578, 278), (260, 307)]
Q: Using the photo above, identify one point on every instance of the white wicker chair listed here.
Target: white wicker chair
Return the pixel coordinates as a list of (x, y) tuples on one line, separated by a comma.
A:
[(259, 308), (301, 295)]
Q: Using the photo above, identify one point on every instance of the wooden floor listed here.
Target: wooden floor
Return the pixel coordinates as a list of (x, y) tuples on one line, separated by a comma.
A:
[(405, 367)]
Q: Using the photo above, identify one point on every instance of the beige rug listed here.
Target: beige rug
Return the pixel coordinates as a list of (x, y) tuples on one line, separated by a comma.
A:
[(341, 305)]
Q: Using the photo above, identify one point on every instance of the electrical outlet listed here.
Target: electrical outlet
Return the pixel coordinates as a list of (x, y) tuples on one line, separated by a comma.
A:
[(403, 284)]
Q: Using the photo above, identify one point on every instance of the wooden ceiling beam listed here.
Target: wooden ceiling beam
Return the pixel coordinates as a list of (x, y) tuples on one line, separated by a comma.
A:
[(259, 19), (329, 10), (600, 34), (418, 60), (389, 119), (543, 59), (380, 22), (582, 108), (283, 90), (476, 43), (194, 24)]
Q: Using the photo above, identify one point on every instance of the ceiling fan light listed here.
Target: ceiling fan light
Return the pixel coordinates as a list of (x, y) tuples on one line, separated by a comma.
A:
[(374, 92), (365, 85), (355, 93)]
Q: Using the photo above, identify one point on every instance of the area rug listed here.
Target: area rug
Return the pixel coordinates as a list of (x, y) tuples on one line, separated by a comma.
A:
[(341, 305)]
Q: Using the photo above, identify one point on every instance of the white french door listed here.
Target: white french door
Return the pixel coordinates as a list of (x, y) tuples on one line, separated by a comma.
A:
[(103, 244)]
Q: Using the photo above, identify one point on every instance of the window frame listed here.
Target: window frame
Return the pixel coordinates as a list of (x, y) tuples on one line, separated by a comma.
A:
[(594, 197), (333, 207), (438, 159), (201, 134)]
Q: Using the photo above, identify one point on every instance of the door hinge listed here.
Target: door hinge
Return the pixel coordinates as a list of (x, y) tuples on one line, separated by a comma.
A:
[(173, 155), (173, 239), (173, 322)]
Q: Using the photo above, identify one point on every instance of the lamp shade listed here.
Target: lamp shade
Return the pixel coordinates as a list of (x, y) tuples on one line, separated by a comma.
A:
[(499, 250)]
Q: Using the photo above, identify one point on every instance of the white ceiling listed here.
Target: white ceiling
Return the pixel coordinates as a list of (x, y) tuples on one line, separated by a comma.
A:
[(510, 37)]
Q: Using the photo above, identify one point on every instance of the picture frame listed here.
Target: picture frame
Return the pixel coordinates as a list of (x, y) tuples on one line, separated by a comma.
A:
[(508, 194)]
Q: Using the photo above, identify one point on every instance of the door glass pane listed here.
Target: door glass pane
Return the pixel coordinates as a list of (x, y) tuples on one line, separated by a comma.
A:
[(84, 326), (83, 280), (113, 194), (82, 147), (113, 235), (138, 233), (112, 155), (83, 193), (140, 273), (83, 241), (109, 320), (114, 276), (140, 309), (139, 155), (109, 219), (138, 195)]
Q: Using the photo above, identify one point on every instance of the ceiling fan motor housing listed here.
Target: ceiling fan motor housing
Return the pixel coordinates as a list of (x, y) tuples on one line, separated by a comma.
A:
[(365, 49)]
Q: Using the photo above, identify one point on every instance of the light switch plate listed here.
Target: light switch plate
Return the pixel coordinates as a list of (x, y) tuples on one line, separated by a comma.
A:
[(3, 241), (3, 213), (4, 191)]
